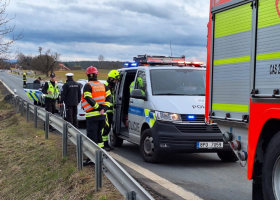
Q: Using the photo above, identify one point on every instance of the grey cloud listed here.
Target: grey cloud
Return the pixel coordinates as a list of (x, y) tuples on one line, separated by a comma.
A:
[(165, 10), (121, 23)]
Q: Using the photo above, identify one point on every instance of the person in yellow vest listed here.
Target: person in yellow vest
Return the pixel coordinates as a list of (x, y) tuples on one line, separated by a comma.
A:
[(51, 92), (96, 99), (24, 79), (113, 78), (140, 84)]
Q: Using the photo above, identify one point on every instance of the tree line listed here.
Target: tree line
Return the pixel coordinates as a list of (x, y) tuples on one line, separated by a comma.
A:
[(98, 64)]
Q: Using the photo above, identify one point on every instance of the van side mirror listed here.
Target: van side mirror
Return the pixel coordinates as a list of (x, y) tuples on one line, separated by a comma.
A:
[(138, 94)]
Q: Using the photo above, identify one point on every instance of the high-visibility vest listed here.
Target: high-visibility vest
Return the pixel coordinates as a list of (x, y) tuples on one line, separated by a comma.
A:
[(131, 86), (54, 90), (24, 77), (111, 108), (98, 95)]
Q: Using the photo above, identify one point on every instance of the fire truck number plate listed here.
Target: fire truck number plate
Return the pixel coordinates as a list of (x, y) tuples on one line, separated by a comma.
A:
[(209, 145)]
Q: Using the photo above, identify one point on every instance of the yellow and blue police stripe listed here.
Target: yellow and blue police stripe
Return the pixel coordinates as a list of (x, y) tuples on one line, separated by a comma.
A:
[(33, 95), (150, 117)]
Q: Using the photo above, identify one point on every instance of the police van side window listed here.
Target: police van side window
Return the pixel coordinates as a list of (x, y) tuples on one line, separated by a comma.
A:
[(141, 81)]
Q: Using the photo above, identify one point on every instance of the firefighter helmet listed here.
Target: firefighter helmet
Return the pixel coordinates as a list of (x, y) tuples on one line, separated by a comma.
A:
[(114, 74), (92, 70)]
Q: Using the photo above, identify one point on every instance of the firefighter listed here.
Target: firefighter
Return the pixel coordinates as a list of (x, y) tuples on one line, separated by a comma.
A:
[(96, 99), (139, 85), (113, 78), (24, 79), (51, 92), (37, 81), (71, 96)]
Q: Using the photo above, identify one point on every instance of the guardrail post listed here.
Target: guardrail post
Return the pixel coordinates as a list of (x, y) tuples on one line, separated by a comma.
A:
[(47, 122), (98, 170), (10, 99), (27, 111), (35, 116), (17, 105), (131, 195), (14, 101), (64, 140), (21, 107), (79, 152)]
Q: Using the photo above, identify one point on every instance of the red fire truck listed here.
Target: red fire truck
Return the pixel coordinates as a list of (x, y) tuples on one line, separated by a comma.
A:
[(243, 83)]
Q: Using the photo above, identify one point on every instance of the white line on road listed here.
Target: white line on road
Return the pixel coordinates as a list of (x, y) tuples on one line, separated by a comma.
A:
[(159, 180)]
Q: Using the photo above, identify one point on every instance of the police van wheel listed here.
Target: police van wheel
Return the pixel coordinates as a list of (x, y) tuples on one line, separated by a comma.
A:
[(115, 141), (227, 156), (271, 169), (148, 152)]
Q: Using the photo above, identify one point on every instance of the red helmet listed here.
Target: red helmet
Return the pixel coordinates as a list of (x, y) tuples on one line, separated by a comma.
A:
[(92, 70)]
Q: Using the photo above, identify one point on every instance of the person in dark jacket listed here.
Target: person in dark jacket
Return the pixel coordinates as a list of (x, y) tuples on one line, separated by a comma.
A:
[(24, 79), (71, 97), (51, 92), (37, 81)]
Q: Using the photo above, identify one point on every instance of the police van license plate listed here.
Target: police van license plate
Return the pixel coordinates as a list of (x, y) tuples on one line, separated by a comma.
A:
[(209, 145)]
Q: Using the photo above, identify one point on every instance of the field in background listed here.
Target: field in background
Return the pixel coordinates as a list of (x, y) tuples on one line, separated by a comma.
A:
[(81, 74), (60, 75)]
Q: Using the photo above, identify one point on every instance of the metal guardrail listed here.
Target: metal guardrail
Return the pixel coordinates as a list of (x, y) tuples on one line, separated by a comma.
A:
[(125, 183)]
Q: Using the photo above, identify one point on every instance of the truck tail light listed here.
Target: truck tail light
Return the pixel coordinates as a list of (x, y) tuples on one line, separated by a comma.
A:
[(235, 145), (227, 136), (242, 155)]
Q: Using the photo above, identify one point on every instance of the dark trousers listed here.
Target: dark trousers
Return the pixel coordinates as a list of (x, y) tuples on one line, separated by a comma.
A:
[(94, 130), (24, 83), (50, 106), (108, 128), (71, 115)]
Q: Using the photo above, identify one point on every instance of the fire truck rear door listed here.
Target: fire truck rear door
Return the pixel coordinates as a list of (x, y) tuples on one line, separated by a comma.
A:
[(231, 62)]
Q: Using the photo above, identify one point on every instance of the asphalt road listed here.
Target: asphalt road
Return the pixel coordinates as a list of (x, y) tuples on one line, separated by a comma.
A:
[(203, 175)]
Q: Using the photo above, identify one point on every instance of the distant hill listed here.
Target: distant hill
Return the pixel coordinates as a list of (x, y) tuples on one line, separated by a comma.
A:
[(97, 64)]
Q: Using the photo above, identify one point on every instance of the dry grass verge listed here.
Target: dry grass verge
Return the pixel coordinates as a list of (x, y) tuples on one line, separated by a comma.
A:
[(33, 168)]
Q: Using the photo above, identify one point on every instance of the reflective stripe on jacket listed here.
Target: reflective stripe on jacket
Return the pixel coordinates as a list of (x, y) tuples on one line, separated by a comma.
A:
[(98, 94), (111, 108), (24, 77), (54, 90)]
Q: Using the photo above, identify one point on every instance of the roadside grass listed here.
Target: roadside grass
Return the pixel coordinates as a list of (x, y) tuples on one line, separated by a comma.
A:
[(33, 168)]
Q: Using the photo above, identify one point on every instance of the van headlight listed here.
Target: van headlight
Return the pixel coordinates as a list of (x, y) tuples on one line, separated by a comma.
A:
[(165, 116)]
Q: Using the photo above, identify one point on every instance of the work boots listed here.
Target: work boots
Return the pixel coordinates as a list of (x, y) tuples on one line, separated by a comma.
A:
[(107, 147)]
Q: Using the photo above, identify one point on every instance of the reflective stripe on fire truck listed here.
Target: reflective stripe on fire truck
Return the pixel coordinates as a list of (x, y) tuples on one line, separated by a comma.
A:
[(230, 107)]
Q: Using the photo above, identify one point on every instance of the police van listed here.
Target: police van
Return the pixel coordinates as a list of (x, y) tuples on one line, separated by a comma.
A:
[(159, 105)]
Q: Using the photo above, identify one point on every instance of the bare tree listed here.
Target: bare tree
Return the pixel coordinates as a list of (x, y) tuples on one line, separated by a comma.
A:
[(25, 61), (6, 44), (49, 61), (101, 58)]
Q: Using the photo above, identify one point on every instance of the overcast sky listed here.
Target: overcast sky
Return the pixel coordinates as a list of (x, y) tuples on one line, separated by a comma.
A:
[(117, 29)]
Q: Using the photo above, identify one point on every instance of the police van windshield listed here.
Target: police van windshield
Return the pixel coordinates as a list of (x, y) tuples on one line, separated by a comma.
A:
[(178, 82)]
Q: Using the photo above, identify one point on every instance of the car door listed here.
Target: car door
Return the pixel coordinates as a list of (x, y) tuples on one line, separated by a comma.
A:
[(118, 103), (136, 114)]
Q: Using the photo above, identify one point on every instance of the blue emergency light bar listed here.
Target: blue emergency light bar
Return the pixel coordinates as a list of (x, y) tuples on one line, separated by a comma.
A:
[(131, 64)]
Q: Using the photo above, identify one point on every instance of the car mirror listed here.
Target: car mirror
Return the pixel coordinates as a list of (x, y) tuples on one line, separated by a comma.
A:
[(138, 94)]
